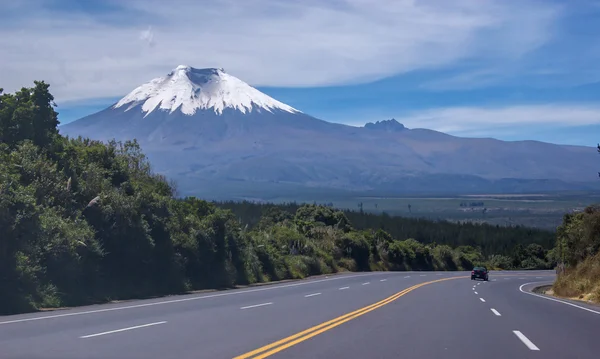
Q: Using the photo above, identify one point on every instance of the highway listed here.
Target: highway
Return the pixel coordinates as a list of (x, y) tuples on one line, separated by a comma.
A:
[(356, 315)]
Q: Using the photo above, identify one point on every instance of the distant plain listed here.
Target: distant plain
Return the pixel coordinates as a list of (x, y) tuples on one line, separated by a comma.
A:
[(541, 210)]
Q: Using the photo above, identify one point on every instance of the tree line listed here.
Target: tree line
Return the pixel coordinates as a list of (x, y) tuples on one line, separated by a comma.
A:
[(84, 222), (490, 239)]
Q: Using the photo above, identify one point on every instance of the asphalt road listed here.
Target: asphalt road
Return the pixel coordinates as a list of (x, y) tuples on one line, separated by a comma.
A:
[(372, 315)]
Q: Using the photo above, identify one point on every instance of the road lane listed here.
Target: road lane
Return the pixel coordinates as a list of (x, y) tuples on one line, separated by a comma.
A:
[(218, 318), (441, 320), (14, 326), (435, 320), (557, 329)]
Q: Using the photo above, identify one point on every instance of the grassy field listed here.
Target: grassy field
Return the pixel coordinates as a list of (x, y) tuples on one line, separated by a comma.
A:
[(535, 210)]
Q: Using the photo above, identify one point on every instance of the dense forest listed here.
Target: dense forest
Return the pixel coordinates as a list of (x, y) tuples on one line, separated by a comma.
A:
[(578, 249), (489, 239), (83, 221)]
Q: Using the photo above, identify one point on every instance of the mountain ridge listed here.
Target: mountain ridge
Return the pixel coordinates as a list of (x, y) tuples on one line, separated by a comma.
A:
[(243, 144)]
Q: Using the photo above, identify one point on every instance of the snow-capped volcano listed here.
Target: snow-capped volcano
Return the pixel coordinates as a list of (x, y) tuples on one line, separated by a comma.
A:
[(218, 137), (189, 89), (189, 107)]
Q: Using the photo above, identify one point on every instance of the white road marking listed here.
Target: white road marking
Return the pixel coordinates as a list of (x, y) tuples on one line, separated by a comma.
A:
[(382, 280), (496, 312), (481, 299), (478, 283), (342, 288), (407, 276), (179, 300), (121, 330), (311, 295), (257, 305), (493, 280), (473, 288), (476, 293), (556, 300), (365, 283), (525, 340)]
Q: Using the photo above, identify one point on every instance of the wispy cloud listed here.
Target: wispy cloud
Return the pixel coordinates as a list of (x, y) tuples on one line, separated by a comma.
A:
[(148, 36), (510, 120), (88, 54)]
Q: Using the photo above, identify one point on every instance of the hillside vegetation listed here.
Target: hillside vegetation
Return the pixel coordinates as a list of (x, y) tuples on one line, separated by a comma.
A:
[(85, 222), (513, 244), (578, 246)]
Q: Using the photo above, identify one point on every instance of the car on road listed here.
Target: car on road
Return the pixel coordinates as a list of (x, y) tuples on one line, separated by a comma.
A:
[(479, 272)]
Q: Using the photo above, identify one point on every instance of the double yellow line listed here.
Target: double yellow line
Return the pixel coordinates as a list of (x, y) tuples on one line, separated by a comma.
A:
[(292, 340)]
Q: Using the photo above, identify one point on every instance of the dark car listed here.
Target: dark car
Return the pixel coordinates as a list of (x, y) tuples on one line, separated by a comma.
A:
[(479, 272)]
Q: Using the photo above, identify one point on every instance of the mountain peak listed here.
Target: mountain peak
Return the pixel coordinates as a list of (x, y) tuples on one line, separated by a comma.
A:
[(188, 90), (386, 125)]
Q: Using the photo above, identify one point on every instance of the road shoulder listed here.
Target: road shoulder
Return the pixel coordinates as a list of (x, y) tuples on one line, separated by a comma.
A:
[(543, 289)]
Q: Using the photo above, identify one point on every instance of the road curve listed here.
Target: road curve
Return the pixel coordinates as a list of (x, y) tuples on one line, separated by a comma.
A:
[(361, 315)]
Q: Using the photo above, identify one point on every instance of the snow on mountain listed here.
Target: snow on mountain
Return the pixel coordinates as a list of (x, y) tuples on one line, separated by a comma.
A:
[(189, 89)]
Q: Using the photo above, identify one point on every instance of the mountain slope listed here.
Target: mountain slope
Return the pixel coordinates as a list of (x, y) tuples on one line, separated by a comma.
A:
[(218, 137)]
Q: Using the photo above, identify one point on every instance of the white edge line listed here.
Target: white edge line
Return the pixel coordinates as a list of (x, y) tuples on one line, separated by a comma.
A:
[(496, 312), (481, 299), (257, 305), (525, 340), (311, 295), (365, 283), (382, 280), (179, 300), (476, 293), (555, 300), (120, 330), (342, 288)]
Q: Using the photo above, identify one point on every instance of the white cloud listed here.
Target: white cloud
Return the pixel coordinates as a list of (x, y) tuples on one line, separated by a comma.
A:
[(511, 120), (264, 42), (148, 36)]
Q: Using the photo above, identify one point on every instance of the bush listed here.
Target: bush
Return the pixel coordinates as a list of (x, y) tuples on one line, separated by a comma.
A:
[(578, 245)]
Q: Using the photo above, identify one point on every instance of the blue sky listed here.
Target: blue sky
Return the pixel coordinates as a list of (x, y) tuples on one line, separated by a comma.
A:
[(510, 69)]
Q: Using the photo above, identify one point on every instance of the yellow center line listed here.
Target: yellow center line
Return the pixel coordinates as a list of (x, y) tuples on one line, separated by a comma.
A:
[(307, 331), (292, 340), (318, 329)]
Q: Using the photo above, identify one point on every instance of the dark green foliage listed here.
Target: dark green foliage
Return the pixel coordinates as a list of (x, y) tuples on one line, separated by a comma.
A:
[(578, 237), (487, 238), (83, 222)]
